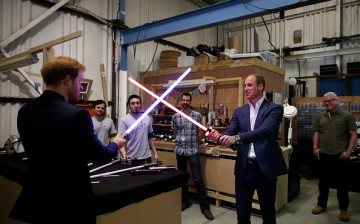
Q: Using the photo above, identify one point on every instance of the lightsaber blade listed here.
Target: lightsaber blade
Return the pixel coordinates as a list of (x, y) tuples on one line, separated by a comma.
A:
[(155, 103), (105, 165), (169, 105), (207, 130), (125, 170)]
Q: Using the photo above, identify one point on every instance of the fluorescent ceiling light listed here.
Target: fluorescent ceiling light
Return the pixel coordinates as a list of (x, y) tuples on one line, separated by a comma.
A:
[(19, 62)]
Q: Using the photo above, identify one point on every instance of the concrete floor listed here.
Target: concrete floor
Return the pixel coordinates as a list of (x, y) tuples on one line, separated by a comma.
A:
[(298, 211)]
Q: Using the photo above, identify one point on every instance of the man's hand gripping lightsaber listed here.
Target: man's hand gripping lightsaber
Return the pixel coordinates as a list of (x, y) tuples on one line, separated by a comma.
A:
[(207, 130)]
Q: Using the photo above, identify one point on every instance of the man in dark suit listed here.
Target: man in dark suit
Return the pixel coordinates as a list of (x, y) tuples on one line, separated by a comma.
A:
[(259, 161), (59, 141)]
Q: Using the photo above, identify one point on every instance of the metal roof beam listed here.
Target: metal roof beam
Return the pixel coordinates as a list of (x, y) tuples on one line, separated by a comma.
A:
[(225, 12)]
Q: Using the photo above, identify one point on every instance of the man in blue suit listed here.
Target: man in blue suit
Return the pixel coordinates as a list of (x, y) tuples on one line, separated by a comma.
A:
[(59, 140), (255, 128)]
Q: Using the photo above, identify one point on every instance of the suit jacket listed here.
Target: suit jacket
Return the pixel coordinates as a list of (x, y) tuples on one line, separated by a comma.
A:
[(264, 137), (59, 140)]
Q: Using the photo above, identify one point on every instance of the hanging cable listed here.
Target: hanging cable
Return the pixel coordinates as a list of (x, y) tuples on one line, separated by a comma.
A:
[(152, 61)]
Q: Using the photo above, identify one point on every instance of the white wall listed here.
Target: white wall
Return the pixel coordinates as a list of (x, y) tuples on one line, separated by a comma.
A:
[(91, 49)]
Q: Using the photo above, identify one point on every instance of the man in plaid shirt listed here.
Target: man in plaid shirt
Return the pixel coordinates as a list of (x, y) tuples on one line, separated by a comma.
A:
[(188, 137)]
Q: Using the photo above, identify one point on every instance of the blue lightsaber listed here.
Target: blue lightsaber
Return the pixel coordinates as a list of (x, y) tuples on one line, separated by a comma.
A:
[(155, 103)]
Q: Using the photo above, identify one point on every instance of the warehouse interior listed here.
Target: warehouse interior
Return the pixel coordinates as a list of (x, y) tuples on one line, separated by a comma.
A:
[(303, 49)]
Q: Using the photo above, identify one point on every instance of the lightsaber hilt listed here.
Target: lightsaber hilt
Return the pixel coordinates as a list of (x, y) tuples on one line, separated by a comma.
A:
[(234, 146), (123, 135)]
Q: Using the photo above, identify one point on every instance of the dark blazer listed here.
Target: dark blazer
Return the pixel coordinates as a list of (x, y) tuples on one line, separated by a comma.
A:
[(59, 141), (264, 137)]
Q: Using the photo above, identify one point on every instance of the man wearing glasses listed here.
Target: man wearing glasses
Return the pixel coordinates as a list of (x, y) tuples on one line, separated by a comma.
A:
[(140, 139), (334, 139)]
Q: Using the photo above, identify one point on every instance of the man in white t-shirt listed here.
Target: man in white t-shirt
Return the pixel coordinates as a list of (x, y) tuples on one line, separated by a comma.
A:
[(104, 127)]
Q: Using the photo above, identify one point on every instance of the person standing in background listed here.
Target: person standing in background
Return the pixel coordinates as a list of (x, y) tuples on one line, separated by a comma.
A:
[(188, 137), (334, 139), (259, 159), (59, 141), (104, 127), (140, 140)]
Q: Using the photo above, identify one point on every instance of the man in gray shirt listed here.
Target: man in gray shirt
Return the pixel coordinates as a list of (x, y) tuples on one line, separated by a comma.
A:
[(104, 127), (140, 139)]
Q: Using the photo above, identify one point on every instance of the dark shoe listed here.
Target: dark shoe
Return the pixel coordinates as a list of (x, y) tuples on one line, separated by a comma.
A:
[(344, 216), (318, 210), (208, 214), (185, 206)]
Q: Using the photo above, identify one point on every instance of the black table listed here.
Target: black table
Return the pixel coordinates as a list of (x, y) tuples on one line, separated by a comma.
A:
[(116, 192)]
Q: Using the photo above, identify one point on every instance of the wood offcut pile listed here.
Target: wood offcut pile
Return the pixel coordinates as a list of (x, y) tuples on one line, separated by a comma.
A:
[(169, 59)]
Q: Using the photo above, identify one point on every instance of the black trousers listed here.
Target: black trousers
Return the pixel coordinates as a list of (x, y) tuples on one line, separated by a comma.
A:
[(245, 185), (195, 167), (139, 162), (333, 173)]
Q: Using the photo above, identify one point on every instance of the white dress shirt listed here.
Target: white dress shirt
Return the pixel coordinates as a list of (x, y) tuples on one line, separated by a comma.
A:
[(253, 114)]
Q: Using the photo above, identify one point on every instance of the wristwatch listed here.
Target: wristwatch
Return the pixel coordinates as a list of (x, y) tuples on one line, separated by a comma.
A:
[(236, 138)]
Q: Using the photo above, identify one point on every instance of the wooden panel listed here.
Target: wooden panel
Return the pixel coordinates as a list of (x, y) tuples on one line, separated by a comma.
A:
[(282, 184), (209, 167), (167, 157), (149, 208), (225, 176), (218, 175), (9, 193)]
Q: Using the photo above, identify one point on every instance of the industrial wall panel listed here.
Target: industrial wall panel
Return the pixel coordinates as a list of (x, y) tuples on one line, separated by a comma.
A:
[(91, 49), (354, 86), (333, 85)]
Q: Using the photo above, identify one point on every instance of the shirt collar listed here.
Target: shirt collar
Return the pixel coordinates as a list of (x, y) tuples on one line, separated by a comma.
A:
[(258, 104)]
